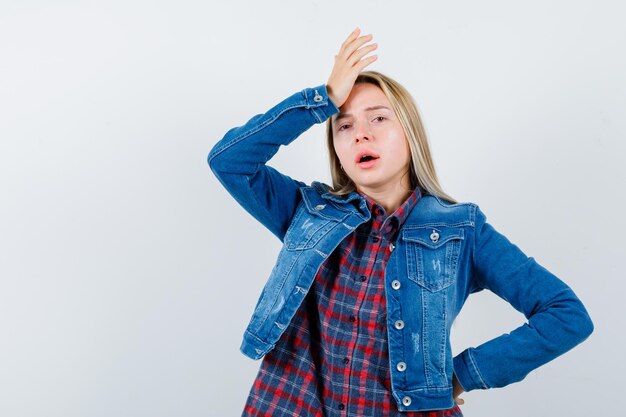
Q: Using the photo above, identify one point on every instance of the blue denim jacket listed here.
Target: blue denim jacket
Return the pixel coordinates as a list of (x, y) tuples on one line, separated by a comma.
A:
[(443, 253)]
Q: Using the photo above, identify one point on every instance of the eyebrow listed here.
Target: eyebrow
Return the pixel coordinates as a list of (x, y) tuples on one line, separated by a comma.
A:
[(344, 115)]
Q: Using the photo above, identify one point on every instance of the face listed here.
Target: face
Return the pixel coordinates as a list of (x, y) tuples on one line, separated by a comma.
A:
[(367, 124)]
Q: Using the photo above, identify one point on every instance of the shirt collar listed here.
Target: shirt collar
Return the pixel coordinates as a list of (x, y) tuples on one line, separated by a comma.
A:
[(390, 223)]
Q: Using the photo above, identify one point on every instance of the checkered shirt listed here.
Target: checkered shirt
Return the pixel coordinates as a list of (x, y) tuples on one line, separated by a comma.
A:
[(333, 359)]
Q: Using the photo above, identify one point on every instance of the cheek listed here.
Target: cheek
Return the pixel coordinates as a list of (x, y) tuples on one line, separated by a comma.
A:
[(339, 150), (403, 150), (400, 144)]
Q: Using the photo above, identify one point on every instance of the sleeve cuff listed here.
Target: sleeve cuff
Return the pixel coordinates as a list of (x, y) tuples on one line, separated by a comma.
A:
[(320, 104), (467, 372)]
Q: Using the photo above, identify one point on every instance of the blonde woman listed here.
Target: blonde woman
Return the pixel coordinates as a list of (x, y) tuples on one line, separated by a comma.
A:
[(355, 317)]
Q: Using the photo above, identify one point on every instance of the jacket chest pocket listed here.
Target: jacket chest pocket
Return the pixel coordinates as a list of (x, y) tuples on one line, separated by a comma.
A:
[(432, 255), (309, 225)]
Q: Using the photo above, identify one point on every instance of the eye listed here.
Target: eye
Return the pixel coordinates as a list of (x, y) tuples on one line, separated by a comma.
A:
[(342, 127), (380, 117)]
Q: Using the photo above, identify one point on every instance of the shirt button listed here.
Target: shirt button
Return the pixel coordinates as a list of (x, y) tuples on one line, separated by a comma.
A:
[(406, 401), (375, 239), (362, 278), (352, 319), (401, 366), (341, 406), (346, 360), (395, 284), (399, 324)]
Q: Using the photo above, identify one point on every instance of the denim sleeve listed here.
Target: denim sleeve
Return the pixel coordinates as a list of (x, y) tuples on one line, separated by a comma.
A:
[(239, 159), (557, 320)]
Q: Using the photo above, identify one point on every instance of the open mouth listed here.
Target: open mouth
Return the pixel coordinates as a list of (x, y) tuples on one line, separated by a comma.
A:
[(366, 158), (367, 161)]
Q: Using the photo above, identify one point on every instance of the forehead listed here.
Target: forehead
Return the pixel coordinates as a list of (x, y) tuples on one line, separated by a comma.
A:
[(362, 98)]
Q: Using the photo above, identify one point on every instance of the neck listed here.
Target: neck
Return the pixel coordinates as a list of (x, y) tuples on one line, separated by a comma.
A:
[(390, 198)]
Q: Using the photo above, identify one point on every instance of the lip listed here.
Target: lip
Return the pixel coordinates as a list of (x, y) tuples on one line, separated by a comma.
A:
[(367, 164), (365, 152)]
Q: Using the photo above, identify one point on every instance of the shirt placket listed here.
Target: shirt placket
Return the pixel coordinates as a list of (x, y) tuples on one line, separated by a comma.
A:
[(365, 313)]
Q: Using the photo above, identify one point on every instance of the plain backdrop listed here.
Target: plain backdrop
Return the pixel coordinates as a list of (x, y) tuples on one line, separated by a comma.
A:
[(128, 274)]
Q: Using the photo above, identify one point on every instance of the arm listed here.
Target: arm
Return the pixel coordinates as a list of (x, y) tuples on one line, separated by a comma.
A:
[(239, 159), (557, 320)]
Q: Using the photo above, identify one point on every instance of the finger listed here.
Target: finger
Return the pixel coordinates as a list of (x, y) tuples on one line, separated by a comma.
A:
[(357, 55), (460, 401), (365, 62), (355, 44), (350, 37)]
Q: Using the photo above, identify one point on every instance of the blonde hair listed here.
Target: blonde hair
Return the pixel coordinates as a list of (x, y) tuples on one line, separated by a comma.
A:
[(422, 168)]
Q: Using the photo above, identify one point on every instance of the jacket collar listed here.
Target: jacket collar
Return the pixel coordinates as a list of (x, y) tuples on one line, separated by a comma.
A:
[(341, 199), (353, 201)]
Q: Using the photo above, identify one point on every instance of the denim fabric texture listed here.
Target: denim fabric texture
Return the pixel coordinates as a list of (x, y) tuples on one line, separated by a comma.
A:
[(444, 252)]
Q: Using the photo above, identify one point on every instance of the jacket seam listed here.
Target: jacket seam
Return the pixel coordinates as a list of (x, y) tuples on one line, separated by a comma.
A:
[(257, 337), (473, 266), (260, 127), (482, 381)]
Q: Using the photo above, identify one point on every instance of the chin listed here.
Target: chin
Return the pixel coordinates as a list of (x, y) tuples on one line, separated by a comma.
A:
[(370, 184)]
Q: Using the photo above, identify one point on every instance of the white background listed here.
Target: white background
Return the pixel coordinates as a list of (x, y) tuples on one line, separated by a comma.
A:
[(128, 274)]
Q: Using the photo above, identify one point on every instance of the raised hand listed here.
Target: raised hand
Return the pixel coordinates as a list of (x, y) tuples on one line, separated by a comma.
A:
[(349, 62)]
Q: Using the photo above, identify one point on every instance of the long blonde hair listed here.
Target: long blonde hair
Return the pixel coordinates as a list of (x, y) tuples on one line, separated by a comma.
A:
[(422, 168)]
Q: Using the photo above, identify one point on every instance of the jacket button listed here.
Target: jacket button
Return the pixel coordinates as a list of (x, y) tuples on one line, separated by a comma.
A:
[(401, 366), (406, 401), (434, 236), (399, 324), (391, 247), (317, 97), (395, 284), (320, 206)]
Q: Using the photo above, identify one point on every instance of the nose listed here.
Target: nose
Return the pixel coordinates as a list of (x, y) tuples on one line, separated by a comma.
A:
[(362, 132)]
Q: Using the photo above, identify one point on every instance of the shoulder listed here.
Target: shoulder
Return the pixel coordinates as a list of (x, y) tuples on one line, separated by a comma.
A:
[(320, 187), (435, 210)]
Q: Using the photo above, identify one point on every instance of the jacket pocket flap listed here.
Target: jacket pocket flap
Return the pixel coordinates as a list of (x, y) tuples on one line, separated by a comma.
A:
[(432, 236)]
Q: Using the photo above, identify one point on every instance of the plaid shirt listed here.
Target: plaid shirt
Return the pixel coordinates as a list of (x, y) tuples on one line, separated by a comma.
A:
[(332, 360)]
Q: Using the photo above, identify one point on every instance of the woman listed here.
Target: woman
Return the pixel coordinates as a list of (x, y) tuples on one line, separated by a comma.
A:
[(356, 314)]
